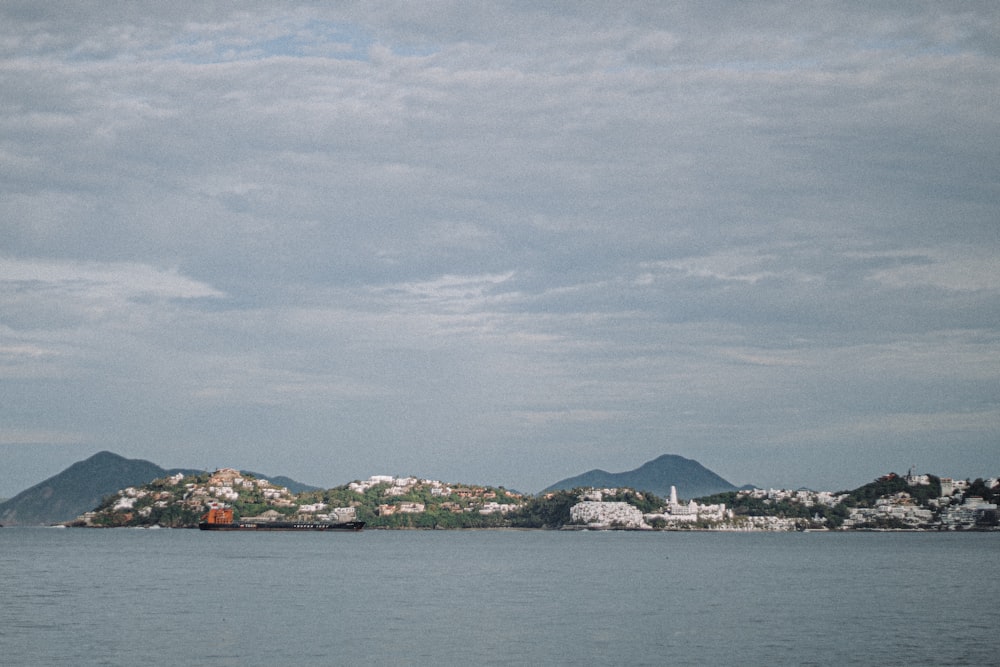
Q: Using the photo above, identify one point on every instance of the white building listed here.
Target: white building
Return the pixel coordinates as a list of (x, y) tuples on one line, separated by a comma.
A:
[(495, 508), (676, 512), (606, 515), (967, 514), (313, 508)]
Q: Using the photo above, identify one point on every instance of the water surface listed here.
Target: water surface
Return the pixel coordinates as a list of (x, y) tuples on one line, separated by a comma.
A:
[(127, 597)]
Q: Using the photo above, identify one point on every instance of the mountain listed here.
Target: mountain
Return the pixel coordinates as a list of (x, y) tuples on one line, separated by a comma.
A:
[(77, 489), (81, 487), (692, 479)]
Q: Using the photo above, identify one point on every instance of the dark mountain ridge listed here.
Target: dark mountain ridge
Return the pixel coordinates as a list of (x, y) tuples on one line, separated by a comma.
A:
[(692, 479)]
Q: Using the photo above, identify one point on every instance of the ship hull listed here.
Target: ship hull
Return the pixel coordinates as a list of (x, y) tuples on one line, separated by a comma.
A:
[(348, 526)]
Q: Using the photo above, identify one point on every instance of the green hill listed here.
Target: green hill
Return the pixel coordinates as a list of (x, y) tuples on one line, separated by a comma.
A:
[(76, 489), (692, 479), (82, 486)]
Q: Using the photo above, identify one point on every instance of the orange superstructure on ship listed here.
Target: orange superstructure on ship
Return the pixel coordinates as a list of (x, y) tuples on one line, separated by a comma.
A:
[(217, 515)]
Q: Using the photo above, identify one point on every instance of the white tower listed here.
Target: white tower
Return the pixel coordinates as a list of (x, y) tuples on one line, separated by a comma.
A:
[(673, 495)]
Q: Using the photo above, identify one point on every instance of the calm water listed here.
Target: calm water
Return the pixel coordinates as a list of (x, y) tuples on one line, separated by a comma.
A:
[(158, 597)]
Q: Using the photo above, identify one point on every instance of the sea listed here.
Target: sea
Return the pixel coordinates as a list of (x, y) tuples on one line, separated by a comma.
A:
[(76, 596)]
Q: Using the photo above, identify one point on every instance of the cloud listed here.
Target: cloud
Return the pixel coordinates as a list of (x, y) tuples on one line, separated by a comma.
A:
[(473, 235), (34, 438), (119, 281), (917, 426), (961, 270), (43, 294), (450, 292)]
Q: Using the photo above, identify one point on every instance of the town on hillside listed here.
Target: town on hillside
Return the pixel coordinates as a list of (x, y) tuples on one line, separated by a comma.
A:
[(891, 502)]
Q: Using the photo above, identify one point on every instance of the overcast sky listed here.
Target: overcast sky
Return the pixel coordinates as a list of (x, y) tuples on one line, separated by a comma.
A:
[(501, 243)]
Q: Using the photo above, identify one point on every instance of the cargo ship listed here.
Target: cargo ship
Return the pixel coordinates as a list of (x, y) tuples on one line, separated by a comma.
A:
[(221, 518)]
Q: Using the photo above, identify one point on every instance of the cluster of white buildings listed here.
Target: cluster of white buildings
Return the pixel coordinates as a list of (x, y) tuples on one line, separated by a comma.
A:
[(953, 510), (950, 487), (225, 485), (402, 508), (600, 514), (765, 523), (967, 514), (898, 508), (128, 497), (494, 507), (398, 486), (802, 496), (593, 512), (675, 512)]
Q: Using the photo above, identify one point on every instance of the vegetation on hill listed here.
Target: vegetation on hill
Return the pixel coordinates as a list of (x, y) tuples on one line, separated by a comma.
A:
[(180, 500), (161, 502), (549, 510), (76, 489), (552, 510), (887, 485), (744, 504), (82, 486), (443, 506), (978, 488)]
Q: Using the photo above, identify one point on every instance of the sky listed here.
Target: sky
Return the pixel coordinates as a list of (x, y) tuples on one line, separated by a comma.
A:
[(501, 242)]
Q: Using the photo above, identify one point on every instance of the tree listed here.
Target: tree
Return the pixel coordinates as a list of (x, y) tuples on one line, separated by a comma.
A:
[(548, 511), (978, 488)]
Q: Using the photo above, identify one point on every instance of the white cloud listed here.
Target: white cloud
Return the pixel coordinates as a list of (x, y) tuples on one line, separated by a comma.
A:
[(117, 280), (957, 269), (735, 265), (450, 292)]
